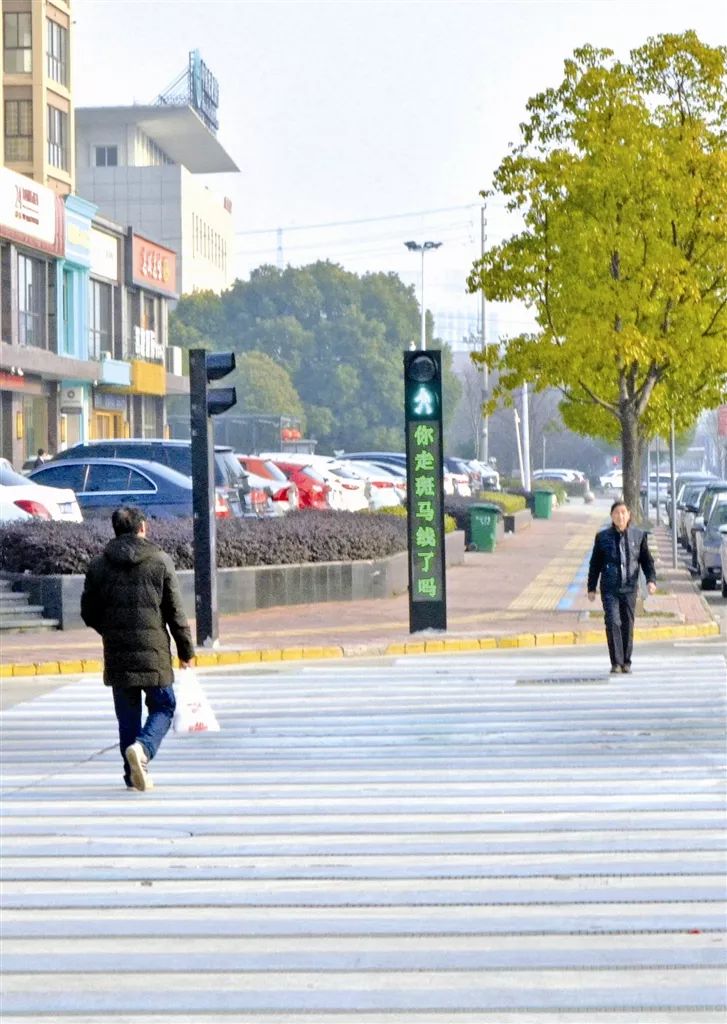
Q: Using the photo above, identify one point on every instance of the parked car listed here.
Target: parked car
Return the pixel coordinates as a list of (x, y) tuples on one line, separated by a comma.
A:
[(313, 490), (568, 476), (486, 477), (37, 501), (9, 511), (102, 485), (284, 492), (613, 480), (398, 459), (723, 560), (385, 487), (688, 494), (231, 485), (260, 498), (709, 564), (461, 476), (713, 493), (345, 492)]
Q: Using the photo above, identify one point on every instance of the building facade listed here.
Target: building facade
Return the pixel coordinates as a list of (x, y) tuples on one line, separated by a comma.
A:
[(84, 306), (37, 139), (140, 165)]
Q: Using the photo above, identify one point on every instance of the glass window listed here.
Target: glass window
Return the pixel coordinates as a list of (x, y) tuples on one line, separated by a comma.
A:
[(62, 476), (18, 130), (57, 53), (108, 478), (18, 42), (100, 319), (57, 138), (31, 282), (139, 482), (106, 156)]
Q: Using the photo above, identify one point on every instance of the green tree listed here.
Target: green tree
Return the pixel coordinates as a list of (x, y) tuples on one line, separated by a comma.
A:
[(621, 183), (338, 337), (264, 386)]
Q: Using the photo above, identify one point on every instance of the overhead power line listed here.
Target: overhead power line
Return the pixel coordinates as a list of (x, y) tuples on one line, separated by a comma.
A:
[(361, 220)]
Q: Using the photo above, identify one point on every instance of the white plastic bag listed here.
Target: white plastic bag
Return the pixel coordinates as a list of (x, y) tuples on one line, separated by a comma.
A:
[(193, 712)]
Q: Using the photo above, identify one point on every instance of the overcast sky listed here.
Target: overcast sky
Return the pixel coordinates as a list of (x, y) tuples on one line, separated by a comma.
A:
[(382, 113)]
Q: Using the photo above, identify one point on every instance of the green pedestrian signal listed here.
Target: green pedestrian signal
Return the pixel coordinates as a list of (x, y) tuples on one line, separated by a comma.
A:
[(425, 504)]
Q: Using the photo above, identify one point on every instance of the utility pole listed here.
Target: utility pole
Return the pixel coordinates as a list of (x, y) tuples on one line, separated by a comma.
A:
[(526, 437), (485, 446)]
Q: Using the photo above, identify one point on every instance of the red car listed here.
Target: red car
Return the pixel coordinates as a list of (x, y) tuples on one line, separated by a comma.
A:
[(284, 490), (312, 488)]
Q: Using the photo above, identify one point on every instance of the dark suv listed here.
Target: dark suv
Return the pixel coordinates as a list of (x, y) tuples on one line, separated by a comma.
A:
[(231, 483)]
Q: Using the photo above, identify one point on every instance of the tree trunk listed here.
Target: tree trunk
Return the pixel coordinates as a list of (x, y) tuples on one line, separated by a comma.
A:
[(631, 459)]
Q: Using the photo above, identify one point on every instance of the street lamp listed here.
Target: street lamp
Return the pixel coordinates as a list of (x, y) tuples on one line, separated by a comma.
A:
[(424, 247)]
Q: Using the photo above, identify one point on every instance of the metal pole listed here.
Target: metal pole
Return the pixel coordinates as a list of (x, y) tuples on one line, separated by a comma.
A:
[(519, 446), (424, 324), (673, 503), (526, 436), (658, 495), (485, 370)]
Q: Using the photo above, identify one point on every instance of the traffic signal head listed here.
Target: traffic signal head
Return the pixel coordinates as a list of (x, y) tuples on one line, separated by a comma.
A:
[(205, 367), (422, 385)]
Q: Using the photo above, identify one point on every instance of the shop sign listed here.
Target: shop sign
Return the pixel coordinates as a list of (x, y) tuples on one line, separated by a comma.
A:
[(72, 399), (104, 255), (148, 378), (153, 267), (78, 238), (146, 345), (109, 403), (722, 421), (31, 214)]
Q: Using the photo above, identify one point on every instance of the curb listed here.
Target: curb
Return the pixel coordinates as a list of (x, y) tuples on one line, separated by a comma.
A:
[(214, 659)]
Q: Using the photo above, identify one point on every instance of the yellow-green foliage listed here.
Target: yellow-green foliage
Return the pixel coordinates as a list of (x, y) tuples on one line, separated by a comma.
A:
[(398, 510), (556, 486), (509, 503)]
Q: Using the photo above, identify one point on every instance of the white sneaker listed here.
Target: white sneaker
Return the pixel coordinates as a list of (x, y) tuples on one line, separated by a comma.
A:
[(137, 761)]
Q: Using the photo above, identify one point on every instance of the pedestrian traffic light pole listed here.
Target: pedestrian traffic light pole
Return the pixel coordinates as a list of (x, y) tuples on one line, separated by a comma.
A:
[(425, 504), (206, 402)]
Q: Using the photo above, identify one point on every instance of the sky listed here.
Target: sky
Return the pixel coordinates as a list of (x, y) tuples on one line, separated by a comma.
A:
[(358, 125)]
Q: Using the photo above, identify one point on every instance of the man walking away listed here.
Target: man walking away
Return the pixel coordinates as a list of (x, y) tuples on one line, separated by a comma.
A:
[(132, 598), (618, 553)]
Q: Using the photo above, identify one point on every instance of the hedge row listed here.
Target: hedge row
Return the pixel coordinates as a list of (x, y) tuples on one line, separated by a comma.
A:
[(459, 508), (50, 548)]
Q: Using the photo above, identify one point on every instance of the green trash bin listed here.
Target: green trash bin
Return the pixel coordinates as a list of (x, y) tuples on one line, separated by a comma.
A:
[(543, 504), (483, 526)]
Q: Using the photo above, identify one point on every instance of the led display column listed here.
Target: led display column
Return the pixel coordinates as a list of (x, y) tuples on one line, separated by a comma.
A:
[(206, 402), (425, 512)]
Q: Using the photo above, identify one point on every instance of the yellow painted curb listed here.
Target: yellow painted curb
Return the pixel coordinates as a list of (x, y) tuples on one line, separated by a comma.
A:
[(470, 645), (322, 652), (270, 655), (205, 659), (434, 646), (23, 670), (92, 665), (228, 657), (248, 657), (544, 640), (487, 643), (291, 653), (517, 640), (412, 648), (5, 671), (47, 668), (563, 638), (395, 649), (591, 636), (70, 667)]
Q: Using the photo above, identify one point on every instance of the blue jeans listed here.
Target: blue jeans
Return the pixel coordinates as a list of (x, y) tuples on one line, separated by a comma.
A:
[(160, 703)]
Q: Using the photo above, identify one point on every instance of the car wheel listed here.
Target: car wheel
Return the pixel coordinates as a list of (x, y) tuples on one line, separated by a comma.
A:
[(724, 587), (707, 582)]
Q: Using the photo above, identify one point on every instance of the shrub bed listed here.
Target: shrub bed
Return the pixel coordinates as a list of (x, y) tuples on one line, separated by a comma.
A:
[(459, 508), (51, 548), (400, 511)]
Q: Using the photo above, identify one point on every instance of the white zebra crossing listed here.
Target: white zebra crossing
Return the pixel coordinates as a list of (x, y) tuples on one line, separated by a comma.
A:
[(460, 839)]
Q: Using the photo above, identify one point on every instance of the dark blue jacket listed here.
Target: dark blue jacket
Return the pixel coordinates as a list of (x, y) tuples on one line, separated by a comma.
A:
[(606, 561)]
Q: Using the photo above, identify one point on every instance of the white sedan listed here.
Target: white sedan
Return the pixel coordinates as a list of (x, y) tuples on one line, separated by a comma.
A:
[(37, 500), (612, 481), (723, 556)]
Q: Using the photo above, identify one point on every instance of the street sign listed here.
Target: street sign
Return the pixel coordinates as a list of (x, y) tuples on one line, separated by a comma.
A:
[(425, 506)]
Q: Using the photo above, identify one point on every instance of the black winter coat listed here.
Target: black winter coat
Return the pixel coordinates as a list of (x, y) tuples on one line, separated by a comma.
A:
[(130, 597), (606, 561)]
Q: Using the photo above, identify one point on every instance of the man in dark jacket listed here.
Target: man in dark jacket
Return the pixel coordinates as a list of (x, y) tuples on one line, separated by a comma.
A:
[(132, 598), (618, 553)]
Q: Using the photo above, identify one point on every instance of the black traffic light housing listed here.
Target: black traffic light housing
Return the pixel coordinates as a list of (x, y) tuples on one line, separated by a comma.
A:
[(206, 402), (425, 497)]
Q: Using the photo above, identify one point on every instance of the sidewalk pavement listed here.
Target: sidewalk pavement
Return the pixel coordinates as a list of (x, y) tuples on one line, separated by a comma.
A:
[(529, 592)]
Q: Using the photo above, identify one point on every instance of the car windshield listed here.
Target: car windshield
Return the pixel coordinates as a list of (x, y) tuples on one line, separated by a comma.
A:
[(313, 474), (229, 469), (9, 478), (275, 471)]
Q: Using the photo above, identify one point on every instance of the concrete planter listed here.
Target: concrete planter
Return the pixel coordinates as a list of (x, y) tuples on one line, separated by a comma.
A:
[(516, 521), (249, 588)]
